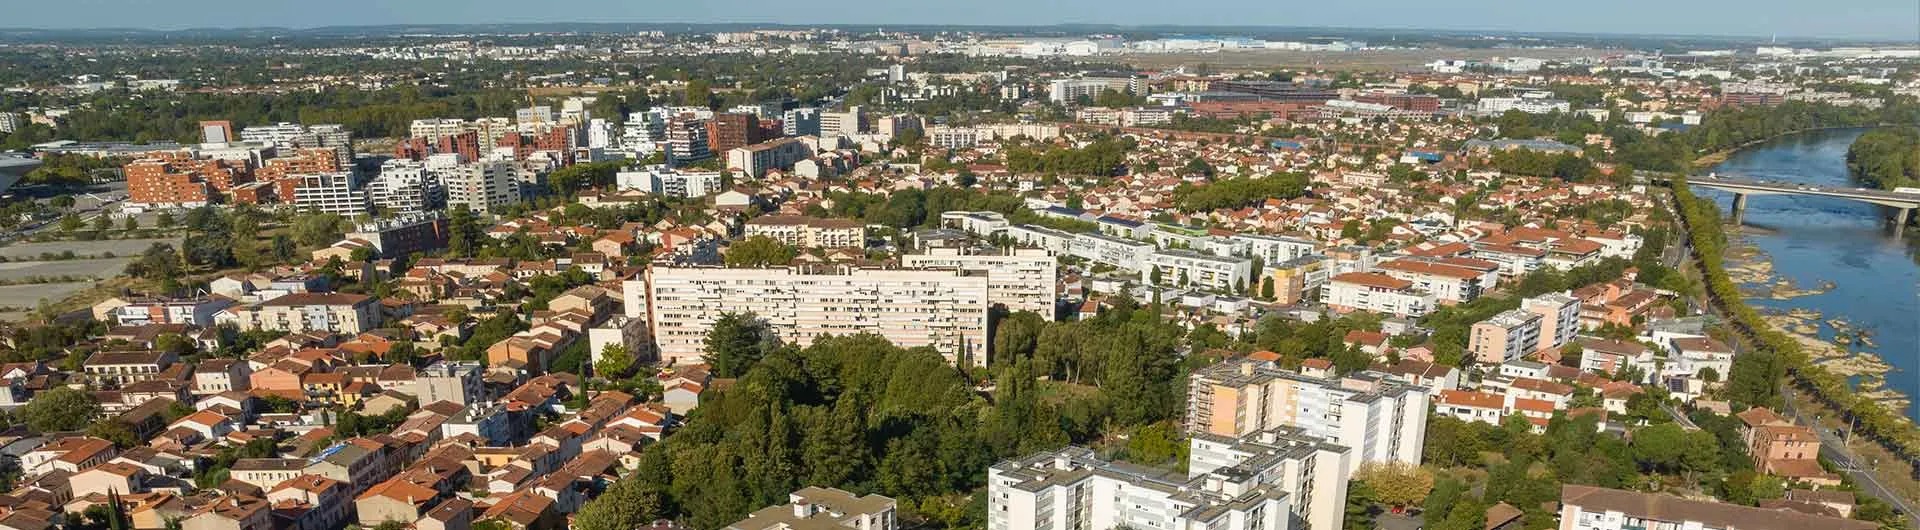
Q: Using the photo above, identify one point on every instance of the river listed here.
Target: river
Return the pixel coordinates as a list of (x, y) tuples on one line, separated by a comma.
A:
[(1813, 240)]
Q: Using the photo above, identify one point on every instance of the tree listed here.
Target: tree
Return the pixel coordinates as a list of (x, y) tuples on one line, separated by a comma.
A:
[(164, 220), (60, 409), (114, 431), (614, 362), (1396, 483), (630, 503), (62, 202), (759, 251), (102, 223), (132, 223), (699, 94), (737, 342), (318, 229), (70, 223), (1359, 507)]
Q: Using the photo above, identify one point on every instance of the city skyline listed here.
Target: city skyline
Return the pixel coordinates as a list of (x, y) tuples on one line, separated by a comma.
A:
[(1862, 19)]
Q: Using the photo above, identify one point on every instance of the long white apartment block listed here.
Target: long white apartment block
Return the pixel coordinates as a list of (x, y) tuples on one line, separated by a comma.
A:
[(1280, 480), (942, 309), (1021, 279), (1187, 268), (1380, 420)]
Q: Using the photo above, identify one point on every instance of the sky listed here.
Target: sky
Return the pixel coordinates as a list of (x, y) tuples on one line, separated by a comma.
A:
[(1863, 19)]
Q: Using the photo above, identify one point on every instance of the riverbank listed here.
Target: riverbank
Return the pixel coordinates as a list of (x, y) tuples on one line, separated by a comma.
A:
[(1830, 343)]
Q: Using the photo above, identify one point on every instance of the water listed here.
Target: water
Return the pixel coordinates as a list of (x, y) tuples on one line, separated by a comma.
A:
[(1813, 240)]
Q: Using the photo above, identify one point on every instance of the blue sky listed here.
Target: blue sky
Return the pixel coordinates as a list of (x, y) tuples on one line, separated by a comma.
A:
[(1876, 19)]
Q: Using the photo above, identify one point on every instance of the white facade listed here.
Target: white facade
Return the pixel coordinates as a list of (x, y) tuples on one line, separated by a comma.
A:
[(1365, 292), (1186, 268), (1274, 249), (1072, 489), (1023, 279), (1559, 318), (330, 193), (404, 186), (483, 187), (1121, 253), (1380, 420), (668, 181), (945, 310)]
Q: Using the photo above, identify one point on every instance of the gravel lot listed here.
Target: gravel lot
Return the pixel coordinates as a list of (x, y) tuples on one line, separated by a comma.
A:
[(96, 268), (28, 296), (119, 247)]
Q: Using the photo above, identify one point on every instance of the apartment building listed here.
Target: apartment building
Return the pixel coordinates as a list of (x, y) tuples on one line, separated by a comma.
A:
[(1379, 293), (1187, 268), (1309, 468), (1119, 252), (1378, 419), (1297, 280), (194, 311), (404, 234), (1449, 284), (687, 140), (817, 508), (757, 159), (1559, 318), (333, 193), (945, 310), (1594, 508), (1073, 489), (178, 183), (1507, 336), (405, 186), (809, 232), (482, 187), (303, 312), (1273, 249), (663, 180), (1020, 279)]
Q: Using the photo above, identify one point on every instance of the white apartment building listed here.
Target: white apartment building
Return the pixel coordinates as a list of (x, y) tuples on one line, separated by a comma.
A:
[(814, 507), (1121, 253), (1073, 489), (1594, 508), (1379, 293), (687, 140), (809, 232), (1311, 469), (293, 135), (1273, 249), (1187, 268), (482, 187), (1066, 91), (1494, 106), (849, 123), (1447, 283), (1378, 419), (1559, 318), (1056, 241), (1021, 279), (756, 160), (663, 180), (945, 310), (981, 224), (330, 193), (303, 312), (404, 186)]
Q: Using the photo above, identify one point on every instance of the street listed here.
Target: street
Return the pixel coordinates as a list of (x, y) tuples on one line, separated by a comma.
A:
[(1835, 450)]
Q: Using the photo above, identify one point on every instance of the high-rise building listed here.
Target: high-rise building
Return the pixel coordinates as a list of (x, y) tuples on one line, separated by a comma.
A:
[(1282, 481), (849, 123), (801, 122), (405, 186), (334, 193), (757, 159), (1381, 421), (1020, 279), (687, 140), (483, 187), (944, 310), (11, 121), (729, 131), (171, 183), (1559, 318), (1379, 293), (1507, 336)]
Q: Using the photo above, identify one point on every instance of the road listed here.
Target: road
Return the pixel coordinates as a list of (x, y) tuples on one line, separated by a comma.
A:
[(1834, 448), (1831, 446)]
